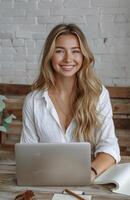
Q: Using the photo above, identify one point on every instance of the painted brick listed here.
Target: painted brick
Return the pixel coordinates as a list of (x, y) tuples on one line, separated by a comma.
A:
[(6, 43), (34, 51), (75, 11), (115, 29), (14, 79), (32, 66), (122, 18), (127, 82), (13, 72), (55, 4), (18, 42), (37, 36), (73, 19), (127, 72), (8, 50), (39, 43), (91, 31), (124, 3), (6, 20), (76, 4), (24, 20), (19, 58), (31, 75), (10, 28), (5, 35), (31, 27), (119, 82), (13, 67), (50, 19), (105, 3), (20, 50), (23, 34), (115, 11), (29, 43), (6, 4), (25, 5), (5, 58), (107, 18), (32, 59), (38, 12), (11, 12)]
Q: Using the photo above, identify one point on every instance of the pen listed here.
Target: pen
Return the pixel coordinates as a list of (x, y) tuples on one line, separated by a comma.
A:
[(74, 194)]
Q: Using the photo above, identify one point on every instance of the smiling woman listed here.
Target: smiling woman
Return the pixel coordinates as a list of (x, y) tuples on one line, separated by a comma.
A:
[(68, 102)]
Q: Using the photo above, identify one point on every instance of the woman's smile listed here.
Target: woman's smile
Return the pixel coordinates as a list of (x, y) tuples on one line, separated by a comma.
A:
[(67, 67)]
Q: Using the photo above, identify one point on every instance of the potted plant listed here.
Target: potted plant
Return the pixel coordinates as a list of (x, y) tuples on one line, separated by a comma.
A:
[(5, 121)]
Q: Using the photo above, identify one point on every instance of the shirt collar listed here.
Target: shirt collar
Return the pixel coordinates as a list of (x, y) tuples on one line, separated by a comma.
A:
[(46, 97), (44, 93)]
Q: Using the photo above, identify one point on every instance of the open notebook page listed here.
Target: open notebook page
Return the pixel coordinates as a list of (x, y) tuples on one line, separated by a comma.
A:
[(69, 197), (118, 174)]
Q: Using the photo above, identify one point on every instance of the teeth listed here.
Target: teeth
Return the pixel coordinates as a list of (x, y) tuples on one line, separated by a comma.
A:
[(66, 66)]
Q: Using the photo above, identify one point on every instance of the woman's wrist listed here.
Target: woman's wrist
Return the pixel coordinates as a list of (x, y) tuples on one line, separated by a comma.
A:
[(94, 170), (93, 176)]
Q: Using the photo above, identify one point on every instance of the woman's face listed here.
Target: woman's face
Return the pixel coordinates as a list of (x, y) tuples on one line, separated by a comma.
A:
[(67, 57)]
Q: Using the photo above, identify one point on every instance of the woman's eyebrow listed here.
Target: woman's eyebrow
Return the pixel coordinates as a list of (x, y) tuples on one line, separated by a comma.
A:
[(61, 47)]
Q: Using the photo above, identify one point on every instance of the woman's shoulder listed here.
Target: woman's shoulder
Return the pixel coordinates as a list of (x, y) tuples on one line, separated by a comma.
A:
[(35, 95), (104, 98), (104, 92)]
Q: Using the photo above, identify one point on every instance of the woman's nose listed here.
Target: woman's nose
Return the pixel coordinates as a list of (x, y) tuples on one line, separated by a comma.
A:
[(68, 56)]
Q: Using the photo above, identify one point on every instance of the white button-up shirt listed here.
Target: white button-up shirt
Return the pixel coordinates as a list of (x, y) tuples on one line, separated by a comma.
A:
[(41, 124)]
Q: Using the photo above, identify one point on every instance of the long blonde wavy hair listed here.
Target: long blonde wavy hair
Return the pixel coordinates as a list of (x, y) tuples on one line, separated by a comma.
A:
[(88, 86)]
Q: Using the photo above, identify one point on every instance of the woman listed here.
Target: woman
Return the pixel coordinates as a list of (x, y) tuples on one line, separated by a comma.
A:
[(68, 103)]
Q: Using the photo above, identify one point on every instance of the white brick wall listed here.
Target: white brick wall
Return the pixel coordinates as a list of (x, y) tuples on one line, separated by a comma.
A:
[(24, 25)]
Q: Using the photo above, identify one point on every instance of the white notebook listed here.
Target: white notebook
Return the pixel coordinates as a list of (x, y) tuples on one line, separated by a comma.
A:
[(119, 175)]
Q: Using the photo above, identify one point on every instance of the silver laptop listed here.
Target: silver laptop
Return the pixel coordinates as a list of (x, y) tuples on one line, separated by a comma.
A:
[(52, 164)]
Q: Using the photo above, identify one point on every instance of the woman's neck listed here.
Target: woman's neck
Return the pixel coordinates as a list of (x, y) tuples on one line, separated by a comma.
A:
[(65, 86)]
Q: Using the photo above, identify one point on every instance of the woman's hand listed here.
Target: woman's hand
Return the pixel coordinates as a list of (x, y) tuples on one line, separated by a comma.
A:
[(93, 176)]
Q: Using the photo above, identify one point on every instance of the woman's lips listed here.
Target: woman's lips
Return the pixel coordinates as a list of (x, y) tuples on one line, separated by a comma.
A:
[(67, 67)]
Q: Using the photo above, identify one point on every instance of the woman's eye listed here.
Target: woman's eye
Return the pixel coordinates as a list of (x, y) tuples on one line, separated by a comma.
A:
[(59, 51), (76, 51)]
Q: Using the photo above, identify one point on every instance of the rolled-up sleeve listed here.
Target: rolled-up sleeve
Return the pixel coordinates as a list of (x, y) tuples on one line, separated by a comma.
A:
[(105, 138), (28, 134)]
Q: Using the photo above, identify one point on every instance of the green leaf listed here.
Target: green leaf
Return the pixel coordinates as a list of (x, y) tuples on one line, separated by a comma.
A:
[(2, 105), (9, 119), (3, 129), (6, 125)]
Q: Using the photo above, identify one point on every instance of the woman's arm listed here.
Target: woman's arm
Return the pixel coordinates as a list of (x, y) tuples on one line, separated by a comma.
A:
[(102, 162), (106, 144), (29, 134)]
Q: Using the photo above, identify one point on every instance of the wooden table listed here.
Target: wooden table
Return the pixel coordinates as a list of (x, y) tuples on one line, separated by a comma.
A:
[(9, 189)]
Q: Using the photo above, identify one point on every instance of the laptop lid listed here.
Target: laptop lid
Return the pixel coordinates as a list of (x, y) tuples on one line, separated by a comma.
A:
[(52, 164)]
